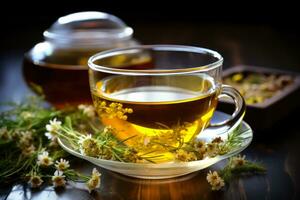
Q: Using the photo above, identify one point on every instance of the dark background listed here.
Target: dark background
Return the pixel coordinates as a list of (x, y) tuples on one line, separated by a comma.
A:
[(265, 32)]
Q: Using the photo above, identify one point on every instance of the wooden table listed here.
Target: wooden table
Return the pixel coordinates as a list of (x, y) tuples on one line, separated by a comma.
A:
[(277, 148)]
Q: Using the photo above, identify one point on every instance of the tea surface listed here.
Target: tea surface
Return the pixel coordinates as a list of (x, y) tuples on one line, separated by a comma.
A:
[(155, 112)]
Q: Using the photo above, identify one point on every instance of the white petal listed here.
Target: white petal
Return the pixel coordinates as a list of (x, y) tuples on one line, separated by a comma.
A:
[(49, 127), (88, 136), (58, 173), (48, 135)]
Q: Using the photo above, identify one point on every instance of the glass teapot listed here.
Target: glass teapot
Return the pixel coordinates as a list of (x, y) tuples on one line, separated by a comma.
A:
[(57, 67)]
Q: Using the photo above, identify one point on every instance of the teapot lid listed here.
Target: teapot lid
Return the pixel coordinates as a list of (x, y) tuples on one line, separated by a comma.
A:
[(88, 28)]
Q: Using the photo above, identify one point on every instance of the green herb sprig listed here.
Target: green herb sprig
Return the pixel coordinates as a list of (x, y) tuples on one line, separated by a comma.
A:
[(27, 155)]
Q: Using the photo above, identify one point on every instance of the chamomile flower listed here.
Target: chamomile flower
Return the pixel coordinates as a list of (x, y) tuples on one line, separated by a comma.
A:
[(211, 149), (200, 146), (87, 110), (185, 156), (89, 146), (95, 173), (4, 134), (44, 159), (218, 184), (84, 138), (215, 180), (114, 110), (131, 155), (25, 139), (27, 151), (52, 128), (15, 134), (35, 181), (212, 176), (58, 179), (62, 164), (238, 161), (94, 181)]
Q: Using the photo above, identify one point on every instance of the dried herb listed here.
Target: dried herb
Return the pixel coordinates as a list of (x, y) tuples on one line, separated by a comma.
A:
[(258, 87)]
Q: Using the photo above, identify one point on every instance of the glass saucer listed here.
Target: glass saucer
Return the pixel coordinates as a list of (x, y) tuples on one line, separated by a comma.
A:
[(170, 169)]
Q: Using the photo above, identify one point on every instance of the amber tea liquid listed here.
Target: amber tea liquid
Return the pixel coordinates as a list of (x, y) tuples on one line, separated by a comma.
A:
[(63, 83), (155, 110)]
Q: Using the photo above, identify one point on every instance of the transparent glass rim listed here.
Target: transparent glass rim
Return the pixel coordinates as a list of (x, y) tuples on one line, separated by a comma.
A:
[(182, 48)]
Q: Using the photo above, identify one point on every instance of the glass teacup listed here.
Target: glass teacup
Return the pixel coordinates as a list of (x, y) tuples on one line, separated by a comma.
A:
[(157, 97)]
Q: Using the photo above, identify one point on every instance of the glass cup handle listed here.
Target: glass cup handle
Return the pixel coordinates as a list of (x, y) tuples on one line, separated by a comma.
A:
[(238, 114)]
